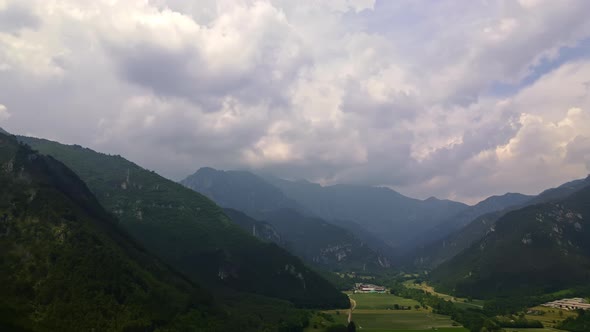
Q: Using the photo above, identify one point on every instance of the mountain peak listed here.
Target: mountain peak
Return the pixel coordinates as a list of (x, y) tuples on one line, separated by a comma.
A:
[(207, 170), (241, 190)]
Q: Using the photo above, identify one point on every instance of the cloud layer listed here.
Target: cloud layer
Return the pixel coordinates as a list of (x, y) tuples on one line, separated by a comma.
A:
[(403, 94)]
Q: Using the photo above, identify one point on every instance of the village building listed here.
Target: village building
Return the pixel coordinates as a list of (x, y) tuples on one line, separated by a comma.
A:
[(368, 288), (569, 304)]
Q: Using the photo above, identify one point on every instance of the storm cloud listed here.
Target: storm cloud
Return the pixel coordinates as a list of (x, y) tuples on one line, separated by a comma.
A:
[(459, 100)]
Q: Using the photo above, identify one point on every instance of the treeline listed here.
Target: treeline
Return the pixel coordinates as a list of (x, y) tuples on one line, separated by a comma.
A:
[(472, 319), (515, 304), (475, 320), (351, 327), (581, 323), (519, 322)]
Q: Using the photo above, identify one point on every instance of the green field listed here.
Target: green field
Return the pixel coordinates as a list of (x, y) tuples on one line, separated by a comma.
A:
[(550, 317), (442, 329), (373, 313), (380, 301), (459, 302), (547, 329), (393, 320)]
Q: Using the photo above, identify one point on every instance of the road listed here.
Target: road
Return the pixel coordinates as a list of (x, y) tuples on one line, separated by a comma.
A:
[(352, 306)]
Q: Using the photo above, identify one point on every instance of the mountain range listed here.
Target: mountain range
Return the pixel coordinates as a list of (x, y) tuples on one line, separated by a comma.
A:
[(537, 249), (189, 231), (240, 190), (443, 249), (394, 218), (282, 220), (390, 220), (94, 241)]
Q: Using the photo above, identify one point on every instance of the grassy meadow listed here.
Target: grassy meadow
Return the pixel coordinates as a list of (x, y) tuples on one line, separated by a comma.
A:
[(546, 329), (462, 303), (550, 316), (373, 301), (373, 313)]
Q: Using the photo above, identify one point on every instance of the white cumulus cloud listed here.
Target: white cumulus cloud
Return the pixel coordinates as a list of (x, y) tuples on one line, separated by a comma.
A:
[(4, 114), (374, 92)]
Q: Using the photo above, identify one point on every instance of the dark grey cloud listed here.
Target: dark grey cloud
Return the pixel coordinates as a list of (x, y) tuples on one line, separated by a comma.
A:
[(396, 95), (15, 17)]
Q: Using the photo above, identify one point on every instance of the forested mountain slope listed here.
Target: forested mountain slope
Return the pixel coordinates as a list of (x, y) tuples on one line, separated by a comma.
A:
[(190, 232), (446, 248), (282, 221), (463, 218), (324, 244), (66, 266), (537, 249)]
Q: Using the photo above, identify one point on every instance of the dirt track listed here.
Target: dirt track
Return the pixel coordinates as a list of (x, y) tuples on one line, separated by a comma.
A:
[(352, 306)]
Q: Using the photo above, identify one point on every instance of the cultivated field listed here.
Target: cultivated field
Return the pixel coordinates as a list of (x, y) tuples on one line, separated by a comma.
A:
[(550, 317), (460, 302), (373, 314), (547, 329), (380, 301)]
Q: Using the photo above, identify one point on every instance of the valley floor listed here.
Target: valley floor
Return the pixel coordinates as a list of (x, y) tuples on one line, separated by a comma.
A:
[(460, 302), (546, 329), (550, 317), (377, 313), (374, 312)]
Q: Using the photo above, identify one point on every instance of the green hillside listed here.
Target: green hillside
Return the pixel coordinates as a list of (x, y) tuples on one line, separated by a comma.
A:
[(313, 239), (434, 244), (190, 232), (449, 246), (444, 249), (538, 249), (259, 229), (323, 244), (65, 266)]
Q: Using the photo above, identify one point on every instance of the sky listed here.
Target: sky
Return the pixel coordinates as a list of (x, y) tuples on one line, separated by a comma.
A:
[(453, 99)]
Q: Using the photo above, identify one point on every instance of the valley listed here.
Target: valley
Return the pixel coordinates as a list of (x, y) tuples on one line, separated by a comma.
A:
[(214, 233), (376, 312), (460, 302), (294, 166), (385, 312)]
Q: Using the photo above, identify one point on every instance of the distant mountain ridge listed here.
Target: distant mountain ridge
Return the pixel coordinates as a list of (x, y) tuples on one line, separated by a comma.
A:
[(239, 190), (540, 248), (272, 216), (394, 218), (440, 243), (447, 247)]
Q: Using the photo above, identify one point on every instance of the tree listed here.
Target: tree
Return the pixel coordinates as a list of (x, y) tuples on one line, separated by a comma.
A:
[(337, 328), (351, 327)]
